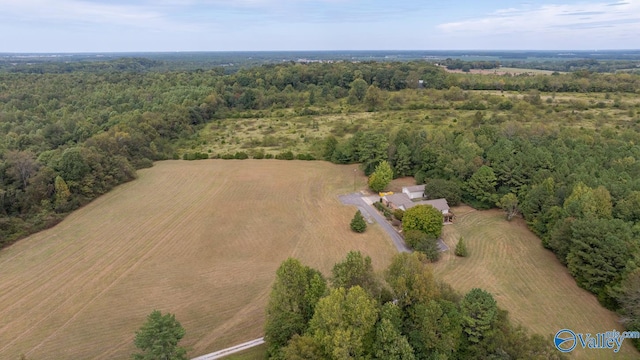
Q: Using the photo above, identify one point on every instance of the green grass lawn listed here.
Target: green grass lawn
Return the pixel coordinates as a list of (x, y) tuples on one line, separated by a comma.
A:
[(255, 353), (508, 260)]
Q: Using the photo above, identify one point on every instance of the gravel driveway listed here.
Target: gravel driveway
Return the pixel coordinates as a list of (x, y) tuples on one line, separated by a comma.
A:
[(369, 212)]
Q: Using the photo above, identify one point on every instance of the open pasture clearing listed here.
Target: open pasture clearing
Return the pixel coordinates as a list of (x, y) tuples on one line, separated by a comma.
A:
[(508, 260), (198, 239), (501, 71), (278, 130)]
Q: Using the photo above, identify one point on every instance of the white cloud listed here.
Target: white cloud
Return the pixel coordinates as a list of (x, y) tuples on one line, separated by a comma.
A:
[(579, 22)]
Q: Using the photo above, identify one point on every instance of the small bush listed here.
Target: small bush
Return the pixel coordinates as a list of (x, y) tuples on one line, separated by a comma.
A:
[(268, 156), (357, 223), (195, 156), (383, 209), (287, 155), (398, 214), (423, 243), (305, 157), (258, 154), (461, 248), (240, 155)]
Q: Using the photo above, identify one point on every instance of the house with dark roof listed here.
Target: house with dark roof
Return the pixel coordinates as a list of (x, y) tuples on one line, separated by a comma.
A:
[(403, 201)]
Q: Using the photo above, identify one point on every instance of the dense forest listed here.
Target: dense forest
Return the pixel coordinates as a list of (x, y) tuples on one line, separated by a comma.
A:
[(565, 146), (404, 313)]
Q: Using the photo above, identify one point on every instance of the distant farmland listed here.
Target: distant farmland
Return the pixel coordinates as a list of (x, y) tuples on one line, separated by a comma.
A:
[(509, 261), (199, 239)]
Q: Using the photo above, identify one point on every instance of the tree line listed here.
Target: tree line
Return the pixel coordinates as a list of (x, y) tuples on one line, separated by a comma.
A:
[(404, 313), (578, 190)]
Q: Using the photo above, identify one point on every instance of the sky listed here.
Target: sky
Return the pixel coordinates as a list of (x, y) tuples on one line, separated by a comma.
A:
[(289, 25)]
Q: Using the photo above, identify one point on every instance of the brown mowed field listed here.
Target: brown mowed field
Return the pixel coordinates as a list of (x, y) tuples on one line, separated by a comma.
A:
[(198, 239), (508, 260)]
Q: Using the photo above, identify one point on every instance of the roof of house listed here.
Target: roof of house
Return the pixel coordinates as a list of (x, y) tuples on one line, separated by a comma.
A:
[(401, 199), (440, 204), (415, 188)]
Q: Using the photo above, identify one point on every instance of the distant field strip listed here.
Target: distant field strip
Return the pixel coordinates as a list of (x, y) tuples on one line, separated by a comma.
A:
[(199, 239), (509, 261)]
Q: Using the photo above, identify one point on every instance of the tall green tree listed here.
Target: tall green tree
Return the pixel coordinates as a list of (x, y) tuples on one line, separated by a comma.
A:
[(373, 98), (357, 91), (344, 323), (302, 348), (482, 187), (435, 329), (390, 344), (294, 295), (62, 192), (354, 270), (441, 188), (479, 314), (599, 252), (381, 177), (411, 280), (370, 149), (461, 248), (423, 218), (158, 338), (585, 201), (22, 166), (538, 206), (509, 204), (402, 165)]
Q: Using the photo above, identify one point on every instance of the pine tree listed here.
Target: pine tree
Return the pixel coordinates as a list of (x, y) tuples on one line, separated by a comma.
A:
[(357, 223), (461, 248)]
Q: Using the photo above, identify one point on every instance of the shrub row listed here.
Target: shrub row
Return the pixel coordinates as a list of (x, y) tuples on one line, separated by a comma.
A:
[(384, 210), (241, 155), (195, 156)]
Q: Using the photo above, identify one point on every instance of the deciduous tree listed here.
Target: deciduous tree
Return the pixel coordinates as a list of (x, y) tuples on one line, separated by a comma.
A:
[(344, 323), (423, 218), (158, 338), (292, 302), (381, 177), (441, 188), (358, 91), (419, 241), (509, 204), (410, 279), (22, 165)]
